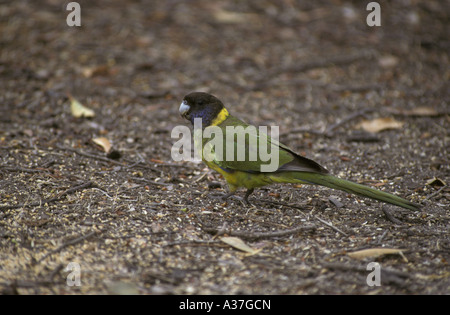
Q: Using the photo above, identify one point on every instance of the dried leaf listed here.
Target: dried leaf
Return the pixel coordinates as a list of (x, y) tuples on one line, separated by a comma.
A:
[(388, 61), (228, 17), (78, 110), (239, 244), (101, 70), (379, 124), (374, 252), (421, 111), (28, 132), (417, 111), (437, 182), (103, 142), (224, 16)]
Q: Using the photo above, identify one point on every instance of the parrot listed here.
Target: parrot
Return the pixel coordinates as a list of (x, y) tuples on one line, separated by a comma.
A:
[(247, 171)]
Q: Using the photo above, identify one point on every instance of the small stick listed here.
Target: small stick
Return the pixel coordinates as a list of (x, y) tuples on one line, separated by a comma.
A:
[(201, 177), (330, 225), (300, 208), (69, 243), (20, 169), (92, 156), (38, 203), (347, 119), (389, 216), (259, 235), (435, 193), (279, 203), (323, 62)]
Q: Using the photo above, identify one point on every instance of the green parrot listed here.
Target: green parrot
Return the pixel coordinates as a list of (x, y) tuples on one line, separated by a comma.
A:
[(247, 172)]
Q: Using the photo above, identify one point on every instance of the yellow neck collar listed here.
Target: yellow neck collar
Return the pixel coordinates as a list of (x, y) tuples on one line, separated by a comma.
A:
[(223, 114)]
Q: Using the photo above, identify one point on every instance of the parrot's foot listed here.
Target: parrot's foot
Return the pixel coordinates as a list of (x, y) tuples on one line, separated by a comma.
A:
[(248, 193), (224, 197)]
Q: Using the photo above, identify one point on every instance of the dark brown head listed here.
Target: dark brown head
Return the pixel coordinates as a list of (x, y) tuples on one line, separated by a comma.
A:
[(201, 105)]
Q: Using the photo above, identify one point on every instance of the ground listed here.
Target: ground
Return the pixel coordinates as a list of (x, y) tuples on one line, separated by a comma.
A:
[(75, 220)]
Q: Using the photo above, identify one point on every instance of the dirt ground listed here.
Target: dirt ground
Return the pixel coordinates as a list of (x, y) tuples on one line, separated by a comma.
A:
[(136, 221)]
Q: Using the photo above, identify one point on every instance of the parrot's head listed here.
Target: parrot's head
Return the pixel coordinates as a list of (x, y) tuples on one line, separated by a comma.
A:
[(202, 105)]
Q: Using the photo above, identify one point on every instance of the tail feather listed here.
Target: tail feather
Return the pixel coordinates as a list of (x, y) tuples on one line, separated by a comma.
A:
[(353, 188)]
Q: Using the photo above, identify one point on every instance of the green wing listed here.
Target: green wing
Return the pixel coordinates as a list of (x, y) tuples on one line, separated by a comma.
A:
[(246, 149)]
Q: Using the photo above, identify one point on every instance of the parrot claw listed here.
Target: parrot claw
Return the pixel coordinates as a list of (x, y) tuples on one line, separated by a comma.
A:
[(224, 197)]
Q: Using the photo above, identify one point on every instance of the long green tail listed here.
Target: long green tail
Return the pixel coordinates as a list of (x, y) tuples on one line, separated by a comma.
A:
[(353, 188)]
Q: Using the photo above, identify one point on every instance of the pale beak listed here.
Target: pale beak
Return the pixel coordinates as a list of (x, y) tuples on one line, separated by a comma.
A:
[(184, 108)]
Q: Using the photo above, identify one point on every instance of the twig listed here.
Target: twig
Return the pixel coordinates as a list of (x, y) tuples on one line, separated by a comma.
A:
[(328, 131), (152, 182), (356, 88), (347, 119), (141, 163), (344, 267), (56, 271), (302, 130), (363, 137), (323, 62), (91, 156), (192, 242), (47, 164), (15, 284), (201, 177), (145, 165), (389, 276), (300, 208), (389, 216), (69, 243), (279, 203), (18, 169), (72, 190), (258, 235), (382, 236), (108, 160), (185, 165), (435, 193), (38, 203), (134, 163), (330, 225)]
